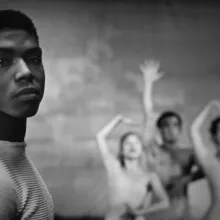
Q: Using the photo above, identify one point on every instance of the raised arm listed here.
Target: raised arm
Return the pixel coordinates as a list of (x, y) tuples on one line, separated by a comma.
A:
[(201, 150), (208, 162), (151, 74), (101, 137)]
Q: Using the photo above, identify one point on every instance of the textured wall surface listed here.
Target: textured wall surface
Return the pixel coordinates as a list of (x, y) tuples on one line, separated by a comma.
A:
[(92, 53)]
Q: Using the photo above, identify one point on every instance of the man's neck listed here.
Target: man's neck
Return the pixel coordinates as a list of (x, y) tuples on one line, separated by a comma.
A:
[(170, 146), (12, 129)]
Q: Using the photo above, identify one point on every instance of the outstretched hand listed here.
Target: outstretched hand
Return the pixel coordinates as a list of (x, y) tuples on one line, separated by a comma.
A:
[(150, 70)]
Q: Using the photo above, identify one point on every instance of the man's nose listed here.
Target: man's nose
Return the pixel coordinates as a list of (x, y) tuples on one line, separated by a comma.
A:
[(22, 70)]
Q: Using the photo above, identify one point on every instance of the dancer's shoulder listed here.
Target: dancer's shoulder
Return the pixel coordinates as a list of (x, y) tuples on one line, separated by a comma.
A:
[(185, 151)]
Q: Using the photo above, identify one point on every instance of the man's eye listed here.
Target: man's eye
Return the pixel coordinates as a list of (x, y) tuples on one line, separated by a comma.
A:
[(35, 60), (5, 62)]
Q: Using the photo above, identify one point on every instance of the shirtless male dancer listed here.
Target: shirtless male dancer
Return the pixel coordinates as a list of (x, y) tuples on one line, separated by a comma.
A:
[(171, 163), (23, 194)]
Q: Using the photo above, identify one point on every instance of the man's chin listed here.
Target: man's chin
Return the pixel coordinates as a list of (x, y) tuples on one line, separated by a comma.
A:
[(27, 113), (132, 157), (172, 142), (31, 114)]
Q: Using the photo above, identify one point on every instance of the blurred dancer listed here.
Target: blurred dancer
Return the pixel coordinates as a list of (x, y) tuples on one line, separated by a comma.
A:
[(172, 164), (130, 185), (23, 194), (208, 161)]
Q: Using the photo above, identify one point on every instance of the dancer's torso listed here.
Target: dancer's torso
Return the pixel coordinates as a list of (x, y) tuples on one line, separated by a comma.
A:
[(125, 188), (169, 166)]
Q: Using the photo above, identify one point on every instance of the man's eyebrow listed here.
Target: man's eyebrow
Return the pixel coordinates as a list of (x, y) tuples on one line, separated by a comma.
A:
[(10, 50), (34, 50), (5, 50)]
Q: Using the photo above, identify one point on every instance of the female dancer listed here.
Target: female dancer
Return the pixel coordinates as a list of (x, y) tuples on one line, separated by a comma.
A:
[(130, 185), (209, 162)]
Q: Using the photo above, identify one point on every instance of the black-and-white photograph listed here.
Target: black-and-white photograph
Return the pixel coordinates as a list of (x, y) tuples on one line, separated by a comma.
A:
[(109, 110)]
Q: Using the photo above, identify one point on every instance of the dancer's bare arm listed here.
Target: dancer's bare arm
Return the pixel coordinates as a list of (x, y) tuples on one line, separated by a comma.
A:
[(161, 194), (151, 74), (201, 151), (208, 162), (101, 137)]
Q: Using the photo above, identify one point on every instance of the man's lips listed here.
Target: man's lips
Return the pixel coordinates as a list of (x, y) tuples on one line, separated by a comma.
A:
[(28, 93)]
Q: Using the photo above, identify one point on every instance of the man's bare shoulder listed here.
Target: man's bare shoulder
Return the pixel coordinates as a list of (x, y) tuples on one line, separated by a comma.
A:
[(153, 148), (185, 151)]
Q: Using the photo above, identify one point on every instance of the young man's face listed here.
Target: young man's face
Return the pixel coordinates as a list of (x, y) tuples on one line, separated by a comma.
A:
[(170, 130), (22, 76)]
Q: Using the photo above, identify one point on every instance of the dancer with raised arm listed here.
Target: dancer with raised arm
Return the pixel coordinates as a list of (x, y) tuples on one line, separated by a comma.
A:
[(172, 164), (130, 184), (208, 161)]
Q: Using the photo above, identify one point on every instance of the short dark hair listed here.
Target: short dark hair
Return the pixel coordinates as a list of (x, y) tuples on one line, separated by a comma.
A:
[(214, 126), (12, 19), (168, 114)]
